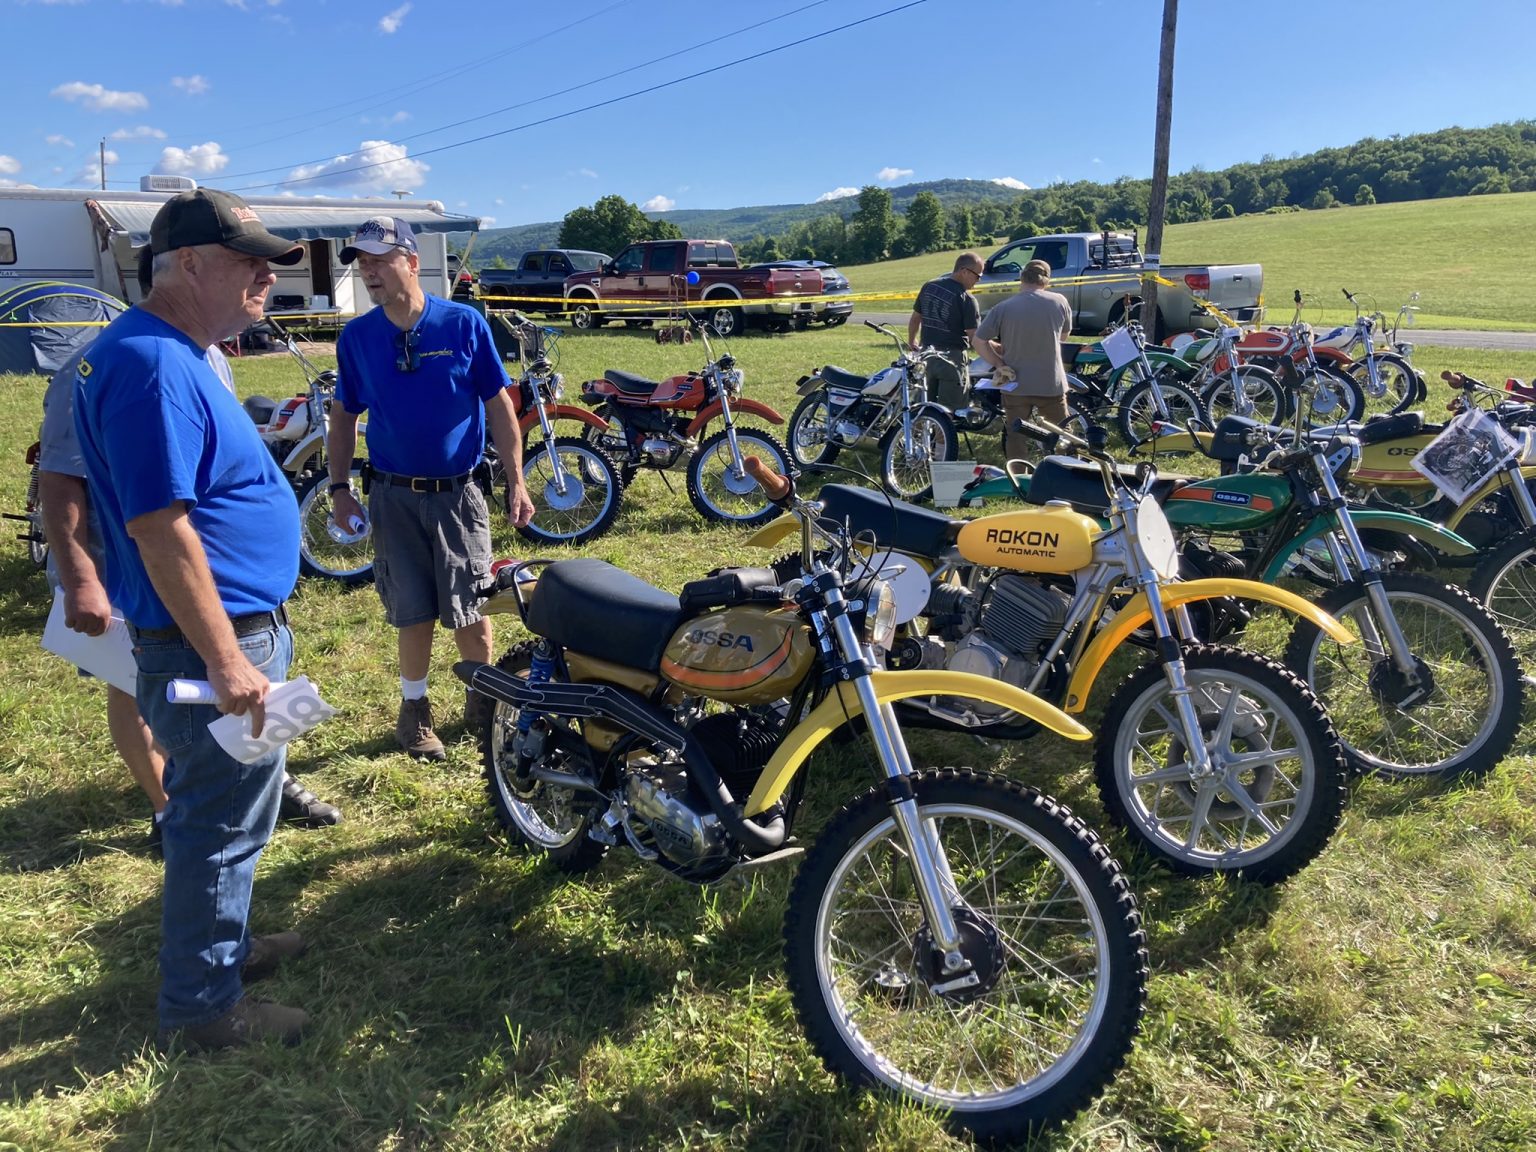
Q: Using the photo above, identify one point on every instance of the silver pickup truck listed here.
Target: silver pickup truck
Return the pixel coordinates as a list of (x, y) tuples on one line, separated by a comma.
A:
[(1096, 271)]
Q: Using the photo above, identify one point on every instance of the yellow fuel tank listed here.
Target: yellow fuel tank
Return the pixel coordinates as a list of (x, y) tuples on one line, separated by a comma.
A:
[(1032, 540), (1391, 462), (745, 655)]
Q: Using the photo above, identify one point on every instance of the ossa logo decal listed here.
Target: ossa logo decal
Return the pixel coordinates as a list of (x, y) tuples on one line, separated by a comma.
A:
[(709, 637), (1402, 451), (1232, 498)]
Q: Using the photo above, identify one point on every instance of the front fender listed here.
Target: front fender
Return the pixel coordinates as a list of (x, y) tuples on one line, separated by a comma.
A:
[(1138, 612), (775, 532), (1180, 440), (842, 705), (1494, 485), (743, 406), (530, 418), (1398, 523)]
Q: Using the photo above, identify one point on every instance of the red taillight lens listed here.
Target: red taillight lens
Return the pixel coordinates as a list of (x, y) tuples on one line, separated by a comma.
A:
[(1198, 281)]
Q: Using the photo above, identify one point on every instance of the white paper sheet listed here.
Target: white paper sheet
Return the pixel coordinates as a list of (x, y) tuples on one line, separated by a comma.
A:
[(108, 657), (293, 708)]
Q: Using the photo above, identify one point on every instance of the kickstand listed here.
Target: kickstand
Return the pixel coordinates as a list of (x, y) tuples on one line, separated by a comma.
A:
[(665, 481)]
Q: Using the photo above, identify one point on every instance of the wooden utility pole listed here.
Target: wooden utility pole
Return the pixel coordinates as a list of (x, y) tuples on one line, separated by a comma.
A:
[(103, 163), (1157, 200)]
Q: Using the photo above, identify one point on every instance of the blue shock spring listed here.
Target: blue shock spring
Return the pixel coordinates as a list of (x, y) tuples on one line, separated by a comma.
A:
[(541, 670)]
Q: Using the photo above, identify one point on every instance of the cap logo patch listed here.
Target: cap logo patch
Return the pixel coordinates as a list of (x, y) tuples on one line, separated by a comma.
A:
[(244, 215)]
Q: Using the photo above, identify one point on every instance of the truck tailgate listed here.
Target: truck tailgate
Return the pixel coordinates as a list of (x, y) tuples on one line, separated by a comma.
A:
[(1235, 285)]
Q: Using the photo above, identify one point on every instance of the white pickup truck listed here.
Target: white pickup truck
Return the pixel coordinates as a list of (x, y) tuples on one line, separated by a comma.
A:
[(1097, 271)]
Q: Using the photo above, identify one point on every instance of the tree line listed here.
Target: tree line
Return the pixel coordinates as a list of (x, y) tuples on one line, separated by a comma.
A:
[(867, 228)]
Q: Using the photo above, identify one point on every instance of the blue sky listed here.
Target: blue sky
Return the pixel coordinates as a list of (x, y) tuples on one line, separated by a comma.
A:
[(272, 96)]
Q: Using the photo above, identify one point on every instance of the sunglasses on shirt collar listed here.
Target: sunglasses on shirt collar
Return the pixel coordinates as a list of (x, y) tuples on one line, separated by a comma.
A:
[(409, 359)]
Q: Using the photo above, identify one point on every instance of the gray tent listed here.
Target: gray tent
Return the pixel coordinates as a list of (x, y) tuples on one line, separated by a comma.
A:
[(43, 324)]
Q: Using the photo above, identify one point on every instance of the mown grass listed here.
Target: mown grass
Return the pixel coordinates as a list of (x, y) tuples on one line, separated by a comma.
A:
[(467, 997), (1461, 254)]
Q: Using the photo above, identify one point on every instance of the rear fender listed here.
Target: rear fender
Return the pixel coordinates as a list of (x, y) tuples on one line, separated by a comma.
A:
[(842, 705), (742, 407), (1138, 612), (1396, 523), (530, 418)]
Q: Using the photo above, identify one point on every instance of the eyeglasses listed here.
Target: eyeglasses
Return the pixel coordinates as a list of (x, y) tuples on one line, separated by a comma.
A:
[(976, 272), (409, 359)]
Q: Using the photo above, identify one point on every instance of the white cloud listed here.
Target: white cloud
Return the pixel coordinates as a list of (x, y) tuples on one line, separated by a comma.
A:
[(100, 99), (487, 221), (658, 204), (498, 201), (394, 169), (390, 23), (191, 85), (91, 173), (9, 165), (587, 172), (59, 141), (142, 132), (199, 160), (889, 174), (1010, 182), (837, 194), (1096, 160), (4, 183)]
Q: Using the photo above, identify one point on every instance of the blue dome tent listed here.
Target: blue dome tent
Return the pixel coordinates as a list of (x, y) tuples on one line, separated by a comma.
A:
[(43, 323)]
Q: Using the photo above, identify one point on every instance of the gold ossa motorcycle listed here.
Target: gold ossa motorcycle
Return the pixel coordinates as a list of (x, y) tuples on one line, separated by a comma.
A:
[(952, 937), (1216, 759)]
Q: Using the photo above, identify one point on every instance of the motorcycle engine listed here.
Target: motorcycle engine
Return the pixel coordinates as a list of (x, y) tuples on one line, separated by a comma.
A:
[(678, 818), (999, 633)]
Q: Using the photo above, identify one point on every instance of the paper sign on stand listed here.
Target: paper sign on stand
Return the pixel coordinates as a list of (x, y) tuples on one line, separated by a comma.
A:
[(949, 480), (107, 657), (293, 708), (1120, 347)]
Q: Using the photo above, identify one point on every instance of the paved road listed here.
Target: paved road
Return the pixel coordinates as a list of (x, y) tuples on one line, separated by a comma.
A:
[(1493, 341)]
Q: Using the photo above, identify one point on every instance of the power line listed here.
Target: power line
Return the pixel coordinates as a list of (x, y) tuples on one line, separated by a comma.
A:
[(599, 104), (548, 95)]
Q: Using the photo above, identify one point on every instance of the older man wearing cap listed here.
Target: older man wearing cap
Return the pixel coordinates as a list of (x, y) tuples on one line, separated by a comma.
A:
[(426, 372), (201, 538)]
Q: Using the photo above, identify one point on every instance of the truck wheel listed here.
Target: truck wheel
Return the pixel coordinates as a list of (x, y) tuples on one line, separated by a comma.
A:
[(585, 316), (725, 321)]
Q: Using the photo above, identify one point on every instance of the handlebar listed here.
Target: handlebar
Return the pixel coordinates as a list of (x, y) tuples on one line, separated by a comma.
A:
[(780, 490)]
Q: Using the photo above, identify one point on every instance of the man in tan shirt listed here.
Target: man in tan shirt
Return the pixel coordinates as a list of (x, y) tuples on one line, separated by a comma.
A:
[(1024, 333)]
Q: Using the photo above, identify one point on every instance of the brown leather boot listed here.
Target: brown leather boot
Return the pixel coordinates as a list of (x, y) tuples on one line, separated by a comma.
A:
[(267, 952), (250, 1021), (413, 730)]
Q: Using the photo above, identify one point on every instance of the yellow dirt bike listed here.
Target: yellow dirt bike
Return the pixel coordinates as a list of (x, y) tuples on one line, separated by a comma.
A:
[(951, 937), (1214, 758)]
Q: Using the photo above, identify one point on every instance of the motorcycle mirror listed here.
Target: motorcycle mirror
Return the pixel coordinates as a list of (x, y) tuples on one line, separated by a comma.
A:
[(1297, 296)]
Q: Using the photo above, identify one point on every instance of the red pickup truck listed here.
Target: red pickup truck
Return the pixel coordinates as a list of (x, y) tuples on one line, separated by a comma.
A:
[(648, 281)]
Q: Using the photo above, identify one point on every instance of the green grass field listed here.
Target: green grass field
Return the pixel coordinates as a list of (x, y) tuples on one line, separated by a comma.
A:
[(1464, 256), (466, 997)]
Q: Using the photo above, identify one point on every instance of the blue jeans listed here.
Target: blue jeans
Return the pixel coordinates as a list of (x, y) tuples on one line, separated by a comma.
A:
[(219, 817)]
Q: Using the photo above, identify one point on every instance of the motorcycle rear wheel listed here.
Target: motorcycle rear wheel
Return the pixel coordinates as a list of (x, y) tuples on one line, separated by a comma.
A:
[(1280, 784), (1463, 728), (934, 439), (810, 432), (319, 554), (593, 491), (1048, 921), (545, 818)]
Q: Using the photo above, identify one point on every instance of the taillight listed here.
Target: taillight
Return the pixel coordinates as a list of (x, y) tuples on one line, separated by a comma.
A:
[(1198, 281)]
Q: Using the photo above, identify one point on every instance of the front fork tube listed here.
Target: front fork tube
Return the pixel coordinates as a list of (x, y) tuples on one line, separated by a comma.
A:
[(1178, 682), (738, 466), (1380, 630), (1521, 495), (557, 470), (930, 869)]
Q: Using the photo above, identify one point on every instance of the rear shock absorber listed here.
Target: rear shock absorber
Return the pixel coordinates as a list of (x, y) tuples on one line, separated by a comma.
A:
[(530, 739)]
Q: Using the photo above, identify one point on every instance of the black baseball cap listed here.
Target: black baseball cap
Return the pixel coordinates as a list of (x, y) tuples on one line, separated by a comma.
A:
[(208, 216)]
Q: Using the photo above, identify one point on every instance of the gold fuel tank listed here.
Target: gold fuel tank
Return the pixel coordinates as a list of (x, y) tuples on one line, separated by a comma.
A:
[(1031, 540), (744, 655)]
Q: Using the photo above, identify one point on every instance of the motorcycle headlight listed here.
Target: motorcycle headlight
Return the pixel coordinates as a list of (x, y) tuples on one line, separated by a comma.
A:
[(880, 615), (556, 387), (733, 381)]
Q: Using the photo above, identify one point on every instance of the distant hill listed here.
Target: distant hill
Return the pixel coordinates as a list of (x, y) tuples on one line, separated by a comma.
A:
[(739, 224)]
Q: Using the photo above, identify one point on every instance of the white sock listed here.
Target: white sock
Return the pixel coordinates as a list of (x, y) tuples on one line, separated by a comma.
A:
[(413, 689)]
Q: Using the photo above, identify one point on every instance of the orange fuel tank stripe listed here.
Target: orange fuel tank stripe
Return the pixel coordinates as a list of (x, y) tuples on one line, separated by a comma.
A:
[(1208, 496), (705, 680)]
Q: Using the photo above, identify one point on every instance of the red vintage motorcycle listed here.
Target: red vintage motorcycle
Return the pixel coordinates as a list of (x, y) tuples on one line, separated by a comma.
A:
[(658, 424), (1302, 366)]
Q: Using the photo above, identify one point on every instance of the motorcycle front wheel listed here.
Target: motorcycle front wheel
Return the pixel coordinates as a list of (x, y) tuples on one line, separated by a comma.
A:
[(810, 436), (1401, 386), (321, 554), (1257, 395), (1047, 922), (1277, 787), (1461, 723), (1335, 397), (545, 818), (1138, 412), (726, 496), (1505, 581), (590, 500), (909, 475)]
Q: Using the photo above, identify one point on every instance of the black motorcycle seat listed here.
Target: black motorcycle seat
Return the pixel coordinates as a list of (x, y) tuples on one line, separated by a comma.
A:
[(1081, 484), (842, 378), (629, 383), (895, 524), (593, 608), (259, 408), (1380, 428)]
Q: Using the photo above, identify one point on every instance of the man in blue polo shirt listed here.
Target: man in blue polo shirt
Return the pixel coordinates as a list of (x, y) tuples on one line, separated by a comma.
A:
[(426, 372), (201, 537)]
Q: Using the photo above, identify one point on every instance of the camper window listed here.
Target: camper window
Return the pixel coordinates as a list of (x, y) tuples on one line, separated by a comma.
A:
[(7, 246)]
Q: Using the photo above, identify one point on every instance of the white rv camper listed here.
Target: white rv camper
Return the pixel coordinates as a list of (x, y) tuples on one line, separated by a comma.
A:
[(90, 237)]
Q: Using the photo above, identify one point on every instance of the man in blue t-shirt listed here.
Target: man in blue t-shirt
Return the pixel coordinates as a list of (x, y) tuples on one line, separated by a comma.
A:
[(201, 536), (426, 372)]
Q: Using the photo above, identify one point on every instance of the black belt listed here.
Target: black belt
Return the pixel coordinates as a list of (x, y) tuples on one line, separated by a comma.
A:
[(424, 483), (243, 625)]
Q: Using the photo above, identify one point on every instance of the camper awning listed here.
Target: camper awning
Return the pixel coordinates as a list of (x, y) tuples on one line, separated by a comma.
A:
[(132, 218)]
